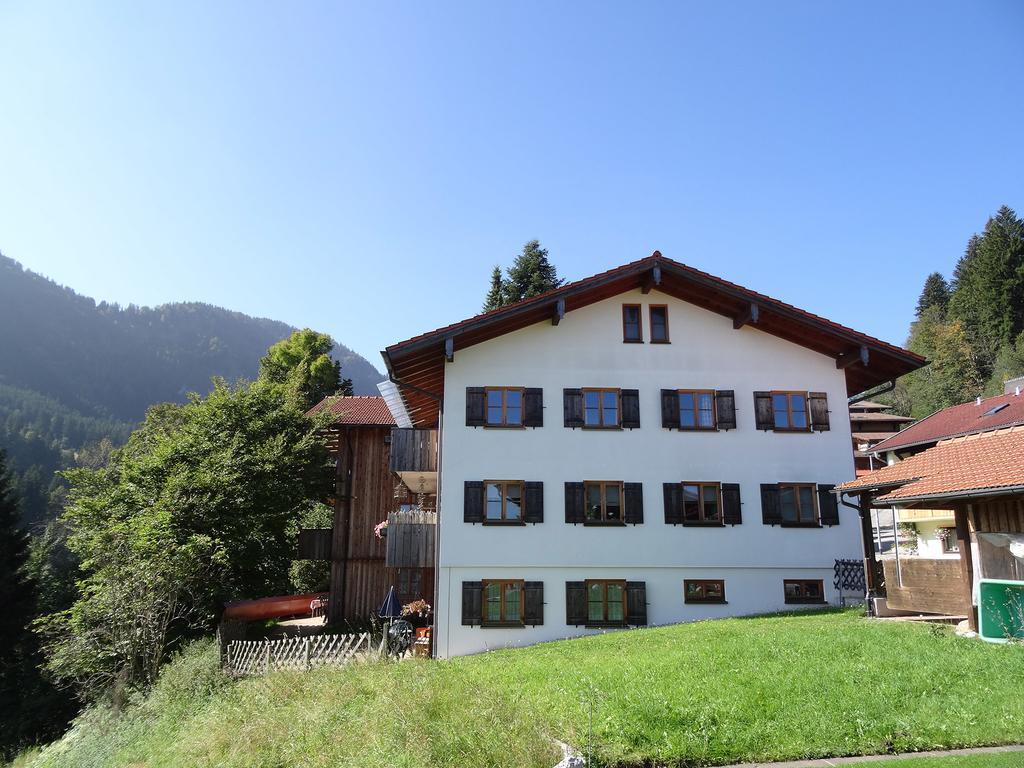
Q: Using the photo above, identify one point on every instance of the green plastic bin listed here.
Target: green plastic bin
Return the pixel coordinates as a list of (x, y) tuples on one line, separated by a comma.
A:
[(1000, 610)]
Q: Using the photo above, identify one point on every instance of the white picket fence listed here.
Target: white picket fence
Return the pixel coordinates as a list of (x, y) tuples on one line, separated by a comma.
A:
[(257, 657)]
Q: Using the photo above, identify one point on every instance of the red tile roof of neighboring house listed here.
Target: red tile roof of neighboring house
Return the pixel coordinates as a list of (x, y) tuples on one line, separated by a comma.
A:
[(363, 410), (419, 362), (965, 419), (987, 463)]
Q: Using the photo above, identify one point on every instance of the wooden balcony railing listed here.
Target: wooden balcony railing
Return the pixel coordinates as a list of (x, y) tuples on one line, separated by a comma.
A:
[(413, 450), (412, 537)]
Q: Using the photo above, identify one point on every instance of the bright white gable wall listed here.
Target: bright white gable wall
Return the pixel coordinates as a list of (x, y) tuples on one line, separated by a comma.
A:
[(586, 350)]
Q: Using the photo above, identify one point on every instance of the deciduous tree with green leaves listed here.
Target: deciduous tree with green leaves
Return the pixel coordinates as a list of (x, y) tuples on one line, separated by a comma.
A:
[(303, 363)]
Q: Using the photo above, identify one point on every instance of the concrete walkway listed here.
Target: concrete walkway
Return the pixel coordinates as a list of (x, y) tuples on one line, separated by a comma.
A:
[(868, 759)]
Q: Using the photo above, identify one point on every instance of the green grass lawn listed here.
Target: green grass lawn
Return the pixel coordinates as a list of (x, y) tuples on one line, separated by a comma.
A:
[(769, 688), (1006, 760)]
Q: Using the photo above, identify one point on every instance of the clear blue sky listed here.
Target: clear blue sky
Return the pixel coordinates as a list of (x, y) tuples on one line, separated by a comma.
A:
[(360, 168)]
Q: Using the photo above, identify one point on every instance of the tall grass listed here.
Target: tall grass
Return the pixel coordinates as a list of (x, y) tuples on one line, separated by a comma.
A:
[(780, 687)]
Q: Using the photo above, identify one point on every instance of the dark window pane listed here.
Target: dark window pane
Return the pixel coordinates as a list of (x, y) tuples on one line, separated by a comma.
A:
[(610, 405), (812, 590), (631, 323), (807, 505), (686, 410), (616, 610), (659, 326), (493, 605), (592, 408), (593, 510), (691, 503), (780, 405), (798, 405), (712, 590), (694, 591), (513, 501), (787, 497), (710, 494), (793, 591), (513, 599), (612, 503), (595, 602), (706, 405)]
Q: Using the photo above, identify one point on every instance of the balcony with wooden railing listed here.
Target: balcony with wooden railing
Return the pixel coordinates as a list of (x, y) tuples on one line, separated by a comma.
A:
[(411, 538), (414, 458)]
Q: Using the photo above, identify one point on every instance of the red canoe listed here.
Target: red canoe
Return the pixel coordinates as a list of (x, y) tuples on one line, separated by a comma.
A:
[(272, 607)]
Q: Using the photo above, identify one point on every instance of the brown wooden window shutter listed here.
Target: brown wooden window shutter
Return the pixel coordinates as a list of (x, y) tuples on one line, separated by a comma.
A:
[(476, 407), (763, 416), (670, 409), (725, 405), (533, 502), (533, 603), (634, 498), (673, 503), (819, 411), (472, 603), (629, 401), (576, 602), (574, 503), (473, 507), (732, 513), (533, 407), (771, 504), (636, 603), (828, 505), (572, 406)]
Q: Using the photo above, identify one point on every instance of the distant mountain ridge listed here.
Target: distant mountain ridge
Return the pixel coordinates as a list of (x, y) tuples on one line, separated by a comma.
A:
[(112, 362)]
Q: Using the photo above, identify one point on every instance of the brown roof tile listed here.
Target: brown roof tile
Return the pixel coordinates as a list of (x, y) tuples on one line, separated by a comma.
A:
[(365, 410), (979, 462), (964, 419)]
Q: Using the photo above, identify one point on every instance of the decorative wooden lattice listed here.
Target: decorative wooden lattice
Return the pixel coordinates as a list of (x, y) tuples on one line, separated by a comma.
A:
[(849, 577), (256, 657)]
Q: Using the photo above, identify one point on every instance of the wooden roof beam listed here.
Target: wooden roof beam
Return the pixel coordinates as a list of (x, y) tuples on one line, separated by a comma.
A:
[(651, 280), (853, 357), (449, 349), (747, 316), (559, 312)]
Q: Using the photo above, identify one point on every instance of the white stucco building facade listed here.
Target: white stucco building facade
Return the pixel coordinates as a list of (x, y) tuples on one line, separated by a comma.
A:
[(750, 559)]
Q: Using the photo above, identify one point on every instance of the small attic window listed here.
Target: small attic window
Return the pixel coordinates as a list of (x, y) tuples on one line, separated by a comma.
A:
[(994, 410)]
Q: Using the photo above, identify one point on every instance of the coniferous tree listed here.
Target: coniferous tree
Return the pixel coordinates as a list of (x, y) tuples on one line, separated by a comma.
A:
[(934, 294), (530, 274), (494, 298)]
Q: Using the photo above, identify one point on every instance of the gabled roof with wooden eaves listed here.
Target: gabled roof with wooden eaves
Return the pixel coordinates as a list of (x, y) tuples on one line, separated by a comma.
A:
[(418, 363)]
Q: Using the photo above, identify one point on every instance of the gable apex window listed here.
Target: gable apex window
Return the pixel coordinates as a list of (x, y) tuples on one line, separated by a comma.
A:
[(632, 324), (659, 323)]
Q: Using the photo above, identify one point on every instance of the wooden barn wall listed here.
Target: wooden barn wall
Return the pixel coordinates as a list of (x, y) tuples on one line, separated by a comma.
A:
[(1004, 514), (366, 580)]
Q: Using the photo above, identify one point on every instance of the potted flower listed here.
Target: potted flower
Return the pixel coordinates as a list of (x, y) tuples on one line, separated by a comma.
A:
[(418, 613), (381, 529)]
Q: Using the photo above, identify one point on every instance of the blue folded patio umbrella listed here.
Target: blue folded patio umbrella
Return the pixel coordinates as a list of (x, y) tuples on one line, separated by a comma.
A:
[(391, 608)]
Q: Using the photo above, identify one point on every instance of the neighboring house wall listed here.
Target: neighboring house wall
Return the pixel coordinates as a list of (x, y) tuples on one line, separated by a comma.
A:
[(929, 543), (587, 350)]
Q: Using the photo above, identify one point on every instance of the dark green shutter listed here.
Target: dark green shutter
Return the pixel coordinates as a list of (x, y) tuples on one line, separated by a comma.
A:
[(533, 502), (533, 603), (763, 416), (771, 504), (633, 494), (732, 513), (629, 401), (533, 408), (636, 603), (819, 411), (574, 503), (575, 602), (670, 409), (473, 505), (828, 505), (472, 603), (725, 407), (673, 503), (572, 407), (476, 407)]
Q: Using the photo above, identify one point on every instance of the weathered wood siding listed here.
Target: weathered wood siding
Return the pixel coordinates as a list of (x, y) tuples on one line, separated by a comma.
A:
[(411, 538), (1004, 514), (314, 544), (928, 586), (413, 450)]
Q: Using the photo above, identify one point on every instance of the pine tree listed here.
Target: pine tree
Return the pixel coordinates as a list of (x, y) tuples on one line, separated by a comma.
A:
[(934, 294), (17, 596), (530, 274), (494, 297)]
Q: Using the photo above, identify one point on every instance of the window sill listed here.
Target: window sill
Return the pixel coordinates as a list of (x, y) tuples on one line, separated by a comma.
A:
[(606, 625), (501, 523), (600, 428), (696, 429), (633, 341), (502, 625), (800, 525), (793, 431), (605, 523), (706, 602), (504, 426), (702, 525), (657, 341)]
